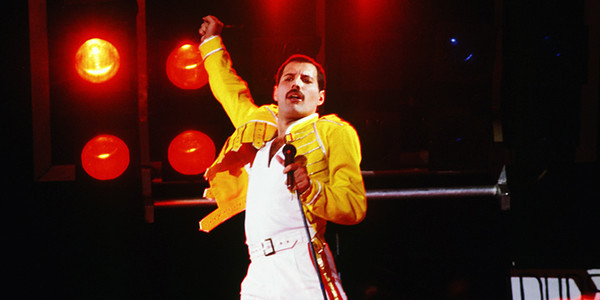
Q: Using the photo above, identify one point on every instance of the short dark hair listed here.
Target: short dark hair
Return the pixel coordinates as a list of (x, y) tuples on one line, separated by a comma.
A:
[(321, 81)]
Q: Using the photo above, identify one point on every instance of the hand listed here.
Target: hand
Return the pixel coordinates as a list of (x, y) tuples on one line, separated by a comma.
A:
[(302, 181), (211, 27)]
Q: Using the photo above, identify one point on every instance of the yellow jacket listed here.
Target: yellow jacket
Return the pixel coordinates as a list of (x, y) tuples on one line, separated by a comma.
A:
[(331, 146)]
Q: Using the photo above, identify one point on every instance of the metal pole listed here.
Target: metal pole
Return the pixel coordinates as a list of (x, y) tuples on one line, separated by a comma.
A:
[(499, 190), (383, 194)]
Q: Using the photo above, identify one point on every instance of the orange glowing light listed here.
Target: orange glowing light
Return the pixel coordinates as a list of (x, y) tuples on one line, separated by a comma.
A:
[(185, 68), (191, 152), (97, 60), (105, 157)]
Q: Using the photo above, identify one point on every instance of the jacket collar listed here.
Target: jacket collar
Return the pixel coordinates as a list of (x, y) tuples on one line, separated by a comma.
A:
[(299, 123)]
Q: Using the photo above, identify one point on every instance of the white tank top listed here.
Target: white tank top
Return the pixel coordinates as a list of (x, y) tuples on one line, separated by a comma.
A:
[(271, 208)]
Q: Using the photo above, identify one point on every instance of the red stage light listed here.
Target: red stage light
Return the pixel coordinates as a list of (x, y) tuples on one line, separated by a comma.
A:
[(191, 152), (185, 67), (97, 60), (105, 157)]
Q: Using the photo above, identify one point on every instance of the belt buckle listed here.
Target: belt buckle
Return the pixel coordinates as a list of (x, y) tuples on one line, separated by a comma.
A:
[(267, 246)]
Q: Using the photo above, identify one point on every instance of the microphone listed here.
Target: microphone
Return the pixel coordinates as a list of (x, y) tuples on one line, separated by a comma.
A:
[(289, 152)]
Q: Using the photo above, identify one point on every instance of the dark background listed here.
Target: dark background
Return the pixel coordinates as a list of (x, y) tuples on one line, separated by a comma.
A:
[(428, 114)]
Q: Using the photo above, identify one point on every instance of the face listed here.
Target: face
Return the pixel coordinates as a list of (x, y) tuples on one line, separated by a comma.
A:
[(297, 91)]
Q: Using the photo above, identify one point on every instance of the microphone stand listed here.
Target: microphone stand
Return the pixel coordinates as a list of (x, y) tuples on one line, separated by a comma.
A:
[(289, 152)]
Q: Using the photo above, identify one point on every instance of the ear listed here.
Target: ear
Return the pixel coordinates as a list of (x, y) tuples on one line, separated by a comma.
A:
[(321, 98), (275, 93)]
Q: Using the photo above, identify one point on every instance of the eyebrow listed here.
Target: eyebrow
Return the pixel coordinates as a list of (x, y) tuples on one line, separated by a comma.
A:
[(294, 74)]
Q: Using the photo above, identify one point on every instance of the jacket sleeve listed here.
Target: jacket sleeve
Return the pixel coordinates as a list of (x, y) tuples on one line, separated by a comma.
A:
[(227, 87), (341, 197)]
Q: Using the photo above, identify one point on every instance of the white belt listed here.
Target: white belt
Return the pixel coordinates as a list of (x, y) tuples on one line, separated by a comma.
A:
[(274, 244)]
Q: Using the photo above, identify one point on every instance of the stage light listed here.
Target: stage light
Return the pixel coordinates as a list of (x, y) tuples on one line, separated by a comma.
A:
[(97, 60), (105, 157), (191, 152), (185, 67)]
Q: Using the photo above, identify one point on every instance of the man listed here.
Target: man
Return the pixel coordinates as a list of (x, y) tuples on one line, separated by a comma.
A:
[(250, 174)]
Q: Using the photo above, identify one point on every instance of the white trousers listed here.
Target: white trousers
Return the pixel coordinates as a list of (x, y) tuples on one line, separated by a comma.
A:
[(287, 274)]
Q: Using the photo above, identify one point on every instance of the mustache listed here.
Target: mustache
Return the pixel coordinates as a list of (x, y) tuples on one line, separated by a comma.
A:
[(294, 91)]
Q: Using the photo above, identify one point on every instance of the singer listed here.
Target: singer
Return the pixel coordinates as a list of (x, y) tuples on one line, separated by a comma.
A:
[(251, 173)]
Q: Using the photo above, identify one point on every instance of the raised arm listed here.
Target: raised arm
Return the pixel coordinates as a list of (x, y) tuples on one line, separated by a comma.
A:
[(227, 87)]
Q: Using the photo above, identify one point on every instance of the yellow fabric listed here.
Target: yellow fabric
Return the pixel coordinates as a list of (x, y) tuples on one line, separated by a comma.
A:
[(330, 145)]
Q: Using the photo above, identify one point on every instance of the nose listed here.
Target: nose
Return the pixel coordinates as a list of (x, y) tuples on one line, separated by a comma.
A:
[(297, 82)]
